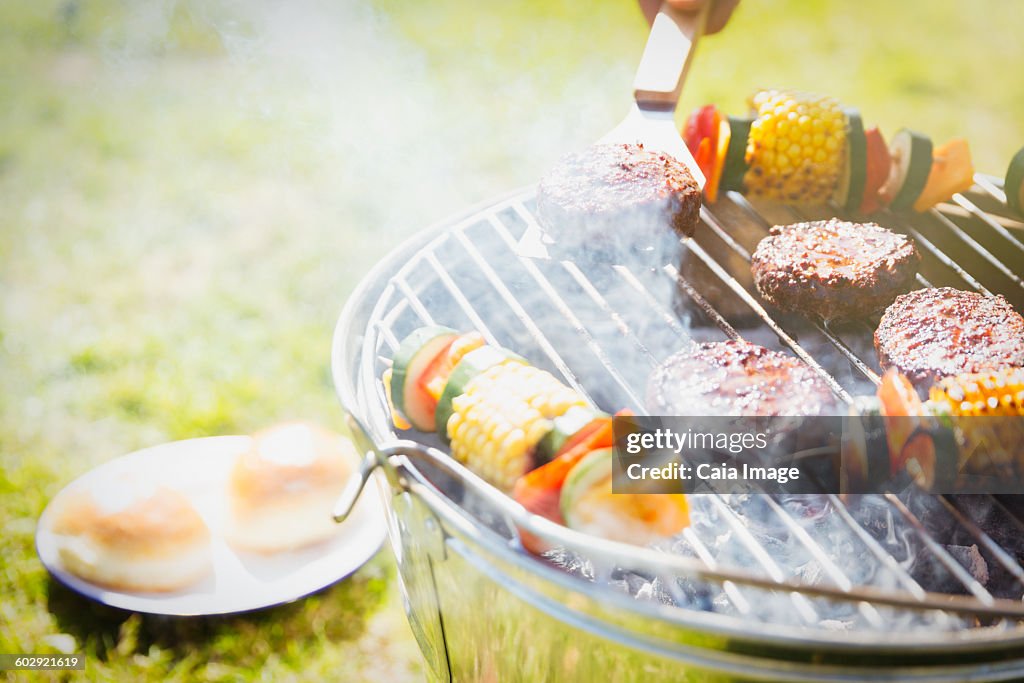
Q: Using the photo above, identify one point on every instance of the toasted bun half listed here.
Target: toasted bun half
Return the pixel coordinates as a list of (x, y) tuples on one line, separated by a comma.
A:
[(282, 490), (130, 535)]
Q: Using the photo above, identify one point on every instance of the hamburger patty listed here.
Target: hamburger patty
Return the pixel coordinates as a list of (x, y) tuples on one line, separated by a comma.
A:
[(737, 378), (615, 191), (833, 269), (929, 334)]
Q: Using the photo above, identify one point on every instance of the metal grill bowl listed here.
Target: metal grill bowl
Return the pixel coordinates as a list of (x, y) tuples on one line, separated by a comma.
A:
[(484, 609)]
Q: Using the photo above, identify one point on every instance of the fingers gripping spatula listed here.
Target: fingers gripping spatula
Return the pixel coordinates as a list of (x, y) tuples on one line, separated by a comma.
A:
[(656, 87)]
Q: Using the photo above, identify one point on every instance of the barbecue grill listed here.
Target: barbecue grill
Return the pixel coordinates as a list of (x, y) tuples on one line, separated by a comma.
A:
[(899, 586)]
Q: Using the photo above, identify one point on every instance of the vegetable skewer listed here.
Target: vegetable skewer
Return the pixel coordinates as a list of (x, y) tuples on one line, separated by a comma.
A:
[(933, 442), (523, 431), (802, 148)]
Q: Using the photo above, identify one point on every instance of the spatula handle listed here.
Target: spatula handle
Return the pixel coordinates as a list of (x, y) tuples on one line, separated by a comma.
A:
[(667, 56)]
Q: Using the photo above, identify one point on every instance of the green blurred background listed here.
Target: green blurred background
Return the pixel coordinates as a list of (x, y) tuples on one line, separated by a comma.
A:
[(189, 191)]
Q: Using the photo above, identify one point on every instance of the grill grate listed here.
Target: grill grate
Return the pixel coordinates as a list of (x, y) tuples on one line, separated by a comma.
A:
[(604, 330)]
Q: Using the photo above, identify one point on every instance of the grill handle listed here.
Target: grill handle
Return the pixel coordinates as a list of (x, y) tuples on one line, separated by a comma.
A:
[(667, 56), (372, 458)]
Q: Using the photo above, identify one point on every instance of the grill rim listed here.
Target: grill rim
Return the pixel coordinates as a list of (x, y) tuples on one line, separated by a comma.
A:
[(787, 637), (370, 294)]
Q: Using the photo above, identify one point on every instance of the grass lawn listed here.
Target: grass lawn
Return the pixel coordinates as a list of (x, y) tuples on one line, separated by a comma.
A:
[(189, 191)]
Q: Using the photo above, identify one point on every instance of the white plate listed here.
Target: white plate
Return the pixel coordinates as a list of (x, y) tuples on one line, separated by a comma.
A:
[(240, 581)]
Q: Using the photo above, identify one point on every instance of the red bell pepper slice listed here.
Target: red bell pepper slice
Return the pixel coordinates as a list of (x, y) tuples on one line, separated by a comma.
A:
[(539, 490)]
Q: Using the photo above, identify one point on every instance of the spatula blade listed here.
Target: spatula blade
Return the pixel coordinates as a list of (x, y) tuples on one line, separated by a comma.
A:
[(655, 130)]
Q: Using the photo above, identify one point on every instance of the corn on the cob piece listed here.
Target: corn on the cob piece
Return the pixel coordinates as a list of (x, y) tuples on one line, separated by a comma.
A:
[(992, 393), (796, 148), (501, 416), (985, 444)]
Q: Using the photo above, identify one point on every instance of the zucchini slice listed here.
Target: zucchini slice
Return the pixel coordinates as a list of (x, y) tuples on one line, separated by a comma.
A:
[(1014, 186), (935, 469), (735, 165), (911, 163), (588, 505), (414, 356), (865, 454), (471, 365), (563, 428), (589, 473), (850, 190)]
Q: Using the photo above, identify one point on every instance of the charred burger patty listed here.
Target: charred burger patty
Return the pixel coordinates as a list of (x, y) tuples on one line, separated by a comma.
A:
[(617, 190), (833, 269), (737, 378), (929, 334)]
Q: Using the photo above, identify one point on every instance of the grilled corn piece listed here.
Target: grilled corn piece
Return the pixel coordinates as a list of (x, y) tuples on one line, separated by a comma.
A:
[(993, 393), (796, 147), (986, 445), (504, 412)]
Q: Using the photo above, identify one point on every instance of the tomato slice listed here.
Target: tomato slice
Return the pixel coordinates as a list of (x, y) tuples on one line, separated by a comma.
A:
[(691, 134), (877, 169), (701, 137), (584, 433), (435, 375)]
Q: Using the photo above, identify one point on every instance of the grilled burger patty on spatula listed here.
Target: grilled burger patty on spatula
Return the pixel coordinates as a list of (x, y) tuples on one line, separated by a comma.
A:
[(617, 190)]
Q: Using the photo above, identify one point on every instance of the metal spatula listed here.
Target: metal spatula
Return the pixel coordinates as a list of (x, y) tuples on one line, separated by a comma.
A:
[(658, 82), (656, 87)]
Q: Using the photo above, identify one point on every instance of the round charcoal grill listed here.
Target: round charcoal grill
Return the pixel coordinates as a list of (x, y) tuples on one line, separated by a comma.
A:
[(906, 587)]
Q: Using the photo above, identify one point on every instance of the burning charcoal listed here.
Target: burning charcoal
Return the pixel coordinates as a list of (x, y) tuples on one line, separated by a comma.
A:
[(758, 515), (645, 592), (980, 509), (933, 576), (629, 575), (811, 572), (806, 508), (937, 520), (570, 562), (856, 563), (660, 592), (722, 604), (693, 594), (636, 583), (677, 546), (994, 518), (877, 516), (901, 620), (1013, 504), (785, 550), (971, 560)]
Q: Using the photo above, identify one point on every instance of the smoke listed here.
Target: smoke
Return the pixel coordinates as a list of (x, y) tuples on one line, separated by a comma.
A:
[(340, 85)]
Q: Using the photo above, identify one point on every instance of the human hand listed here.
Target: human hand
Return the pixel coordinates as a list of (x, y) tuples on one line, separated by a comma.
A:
[(718, 15)]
